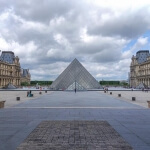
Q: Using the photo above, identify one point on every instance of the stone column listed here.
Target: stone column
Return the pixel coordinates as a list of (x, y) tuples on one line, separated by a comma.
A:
[(4, 82)]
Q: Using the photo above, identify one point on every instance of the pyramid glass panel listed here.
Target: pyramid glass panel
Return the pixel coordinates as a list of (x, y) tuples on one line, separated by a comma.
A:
[(75, 72), (76, 86)]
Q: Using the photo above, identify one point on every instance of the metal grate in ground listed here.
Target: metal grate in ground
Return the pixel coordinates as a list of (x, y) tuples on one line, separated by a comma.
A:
[(74, 135)]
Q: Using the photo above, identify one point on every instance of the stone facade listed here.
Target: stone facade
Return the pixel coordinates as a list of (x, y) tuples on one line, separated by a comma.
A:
[(10, 69), (140, 69), (25, 76)]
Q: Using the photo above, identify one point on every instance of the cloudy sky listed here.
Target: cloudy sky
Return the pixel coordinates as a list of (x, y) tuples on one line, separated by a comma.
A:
[(48, 34)]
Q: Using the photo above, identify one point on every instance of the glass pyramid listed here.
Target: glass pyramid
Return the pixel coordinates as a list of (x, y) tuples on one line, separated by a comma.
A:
[(75, 76)]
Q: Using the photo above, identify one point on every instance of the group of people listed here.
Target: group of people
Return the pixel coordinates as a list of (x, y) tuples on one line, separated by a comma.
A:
[(106, 89), (29, 94), (146, 90)]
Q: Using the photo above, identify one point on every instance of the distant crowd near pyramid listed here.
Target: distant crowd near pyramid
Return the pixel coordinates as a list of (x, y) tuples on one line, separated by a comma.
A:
[(75, 76)]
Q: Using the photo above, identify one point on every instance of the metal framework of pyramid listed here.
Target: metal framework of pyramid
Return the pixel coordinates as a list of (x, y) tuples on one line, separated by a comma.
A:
[(75, 76)]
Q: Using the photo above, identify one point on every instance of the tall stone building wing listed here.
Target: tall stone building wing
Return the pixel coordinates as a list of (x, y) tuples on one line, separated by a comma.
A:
[(25, 76), (75, 76), (9, 70), (140, 70), (25, 72)]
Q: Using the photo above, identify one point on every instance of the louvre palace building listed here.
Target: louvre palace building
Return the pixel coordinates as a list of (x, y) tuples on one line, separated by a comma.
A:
[(11, 71), (140, 69)]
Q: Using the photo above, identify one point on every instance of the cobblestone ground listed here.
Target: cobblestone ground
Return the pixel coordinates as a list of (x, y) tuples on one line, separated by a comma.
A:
[(74, 135)]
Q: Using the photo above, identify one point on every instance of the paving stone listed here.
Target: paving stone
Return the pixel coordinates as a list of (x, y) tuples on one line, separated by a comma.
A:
[(76, 135), (132, 122)]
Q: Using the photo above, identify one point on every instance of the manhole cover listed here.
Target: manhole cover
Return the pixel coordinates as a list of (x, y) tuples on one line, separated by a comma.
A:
[(74, 135)]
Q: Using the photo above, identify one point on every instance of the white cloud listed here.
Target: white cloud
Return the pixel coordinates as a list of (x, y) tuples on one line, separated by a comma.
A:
[(51, 34), (142, 40), (3, 44), (85, 37), (141, 43), (25, 52)]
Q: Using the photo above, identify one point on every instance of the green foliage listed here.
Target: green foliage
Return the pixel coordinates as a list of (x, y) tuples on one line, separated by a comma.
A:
[(115, 83), (124, 84), (24, 84), (41, 82)]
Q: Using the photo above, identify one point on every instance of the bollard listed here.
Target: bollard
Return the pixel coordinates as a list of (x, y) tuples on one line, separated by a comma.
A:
[(18, 98), (148, 104), (40, 92), (119, 95), (133, 98), (45, 91), (2, 104), (110, 93)]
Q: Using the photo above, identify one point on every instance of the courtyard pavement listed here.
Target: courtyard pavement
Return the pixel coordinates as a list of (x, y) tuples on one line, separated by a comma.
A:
[(131, 121)]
